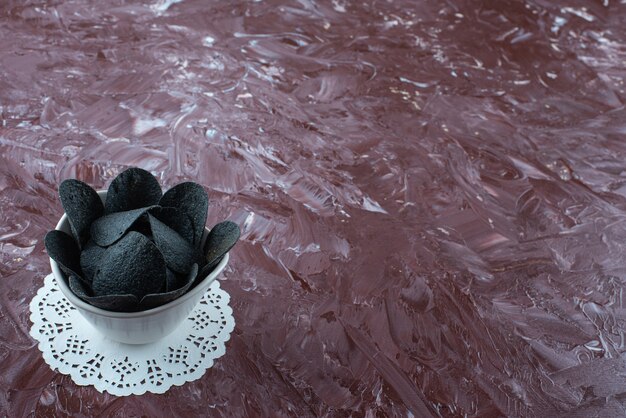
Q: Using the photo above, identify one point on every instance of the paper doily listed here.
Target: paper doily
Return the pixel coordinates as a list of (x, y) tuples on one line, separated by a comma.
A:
[(73, 347)]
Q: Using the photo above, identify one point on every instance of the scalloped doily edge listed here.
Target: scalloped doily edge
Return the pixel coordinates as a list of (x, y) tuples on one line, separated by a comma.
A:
[(101, 386)]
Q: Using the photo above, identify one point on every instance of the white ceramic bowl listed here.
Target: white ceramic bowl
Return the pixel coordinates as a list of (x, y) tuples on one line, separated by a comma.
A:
[(136, 327)]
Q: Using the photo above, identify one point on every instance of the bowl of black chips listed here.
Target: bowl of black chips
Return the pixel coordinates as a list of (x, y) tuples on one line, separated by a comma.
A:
[(133, 260)]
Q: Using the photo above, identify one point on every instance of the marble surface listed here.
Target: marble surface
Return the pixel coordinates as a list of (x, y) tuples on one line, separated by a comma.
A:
[(432, 195)]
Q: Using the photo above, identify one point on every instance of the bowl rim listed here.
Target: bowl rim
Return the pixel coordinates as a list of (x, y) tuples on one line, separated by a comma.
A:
[(75, 300)]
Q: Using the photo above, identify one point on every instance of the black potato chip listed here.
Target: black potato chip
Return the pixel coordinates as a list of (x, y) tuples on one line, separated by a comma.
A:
[(82, 206), (115, 303), (90, 258), (174, 280), (142, 226), (176, 219), (80, 287), (191, 199), (132, 266), (179, 255), (220, 240), (63, 249), (110, 228), (132, 189), (158, 299)]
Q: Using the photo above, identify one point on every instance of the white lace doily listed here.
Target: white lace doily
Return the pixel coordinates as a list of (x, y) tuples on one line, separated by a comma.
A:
[(73, 347)]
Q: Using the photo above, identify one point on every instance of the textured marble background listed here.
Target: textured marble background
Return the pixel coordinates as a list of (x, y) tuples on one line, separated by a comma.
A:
[(432, 195)]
